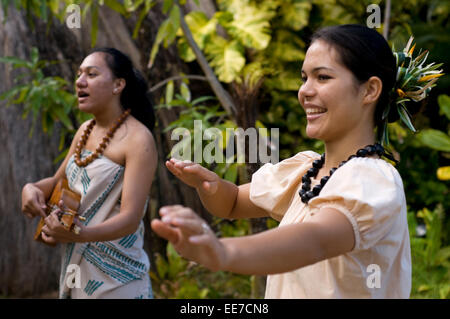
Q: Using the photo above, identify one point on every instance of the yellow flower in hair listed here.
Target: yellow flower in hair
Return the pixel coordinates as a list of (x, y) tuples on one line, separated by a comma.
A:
[(401, 93), (429, 77)]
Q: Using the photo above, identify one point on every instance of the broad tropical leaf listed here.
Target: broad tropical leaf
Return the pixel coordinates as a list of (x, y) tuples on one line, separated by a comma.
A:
[(227, 58), (251, 26), (296, 14), (201, 27)]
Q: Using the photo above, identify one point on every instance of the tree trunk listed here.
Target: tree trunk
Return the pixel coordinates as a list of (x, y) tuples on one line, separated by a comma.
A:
[(26, 267)]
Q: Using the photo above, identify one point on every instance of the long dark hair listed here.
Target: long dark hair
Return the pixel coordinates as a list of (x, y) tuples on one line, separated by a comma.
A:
[(135, 95), (365, 53)]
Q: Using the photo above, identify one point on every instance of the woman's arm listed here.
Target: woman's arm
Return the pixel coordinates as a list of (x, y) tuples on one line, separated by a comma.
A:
[(35, 195), (141, 161), (220, 197), (327, 234)]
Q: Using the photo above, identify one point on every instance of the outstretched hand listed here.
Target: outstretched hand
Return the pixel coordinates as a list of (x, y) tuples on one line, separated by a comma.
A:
[(191, 236), (194, 175)]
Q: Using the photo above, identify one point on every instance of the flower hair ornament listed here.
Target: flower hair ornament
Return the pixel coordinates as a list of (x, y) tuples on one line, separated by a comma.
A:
[(414, 81)]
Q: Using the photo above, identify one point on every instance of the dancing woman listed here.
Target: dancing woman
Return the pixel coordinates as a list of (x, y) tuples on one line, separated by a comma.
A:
[(343, 213)]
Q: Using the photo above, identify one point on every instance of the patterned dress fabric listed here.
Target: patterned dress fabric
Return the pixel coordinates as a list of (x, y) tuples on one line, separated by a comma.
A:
[(114, 269)]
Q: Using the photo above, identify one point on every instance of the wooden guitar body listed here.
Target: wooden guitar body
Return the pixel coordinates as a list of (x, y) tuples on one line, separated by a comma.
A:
[(69, 211)]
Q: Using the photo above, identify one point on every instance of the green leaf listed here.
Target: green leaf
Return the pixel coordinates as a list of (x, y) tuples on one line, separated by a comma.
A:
[(296, 14), (34, 56), (444, 105), (142, 15), (287, 47), (43, 11), (227, 58), (185, 51), (203, 99), (169, 92), (10, 94), (185, 92), (162, 33), (232, 173), (16, 62), (167, 4), (175, 17), (61, 156), (22, 96), (173, 26), (251, 27), (286, 80), (117, 6), (404, 115), (201, 27), (435, 139), (86, 9), (59, 113), (444, 291), (94, 26), (161, 266)]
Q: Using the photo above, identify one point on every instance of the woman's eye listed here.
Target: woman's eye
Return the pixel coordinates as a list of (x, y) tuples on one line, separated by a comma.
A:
[(304, 78), (324, 77)]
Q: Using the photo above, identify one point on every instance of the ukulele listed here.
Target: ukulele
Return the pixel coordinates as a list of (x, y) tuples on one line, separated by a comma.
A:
[(68, 212)]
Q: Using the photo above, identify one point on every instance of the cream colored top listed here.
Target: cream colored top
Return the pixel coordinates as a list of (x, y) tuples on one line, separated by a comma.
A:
[(369, 192)]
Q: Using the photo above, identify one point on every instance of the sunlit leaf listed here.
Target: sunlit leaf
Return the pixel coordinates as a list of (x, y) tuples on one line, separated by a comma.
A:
[(296, 14), (227, 58), (169, 91), (200, 26), (185, 92), (251, 27), (117, 6)]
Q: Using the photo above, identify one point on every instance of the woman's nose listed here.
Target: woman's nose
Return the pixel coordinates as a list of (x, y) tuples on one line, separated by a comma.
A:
[(81, 81), (305, 90)]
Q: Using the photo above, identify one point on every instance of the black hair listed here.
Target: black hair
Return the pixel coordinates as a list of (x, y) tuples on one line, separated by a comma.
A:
[(365, 53), (135, 95)]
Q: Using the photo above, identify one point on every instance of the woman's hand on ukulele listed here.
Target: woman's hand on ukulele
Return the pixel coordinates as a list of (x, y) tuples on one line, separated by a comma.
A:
[(33, 201), (54, 231)]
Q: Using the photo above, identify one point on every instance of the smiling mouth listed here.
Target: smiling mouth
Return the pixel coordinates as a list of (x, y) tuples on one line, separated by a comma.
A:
[(315, 111), (82, 94)]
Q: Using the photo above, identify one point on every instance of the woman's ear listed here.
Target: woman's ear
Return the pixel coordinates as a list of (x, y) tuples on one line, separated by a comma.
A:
[(374, 86), (119, 85)]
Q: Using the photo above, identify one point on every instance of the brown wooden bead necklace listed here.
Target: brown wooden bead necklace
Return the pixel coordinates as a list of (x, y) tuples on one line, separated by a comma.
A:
[(101, 148)]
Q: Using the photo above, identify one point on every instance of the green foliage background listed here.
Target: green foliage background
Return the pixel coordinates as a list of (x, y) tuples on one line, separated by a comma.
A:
[(261, 44)]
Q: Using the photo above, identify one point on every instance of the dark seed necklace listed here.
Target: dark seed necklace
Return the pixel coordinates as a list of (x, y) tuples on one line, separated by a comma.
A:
[(101, 148), (306, 193)]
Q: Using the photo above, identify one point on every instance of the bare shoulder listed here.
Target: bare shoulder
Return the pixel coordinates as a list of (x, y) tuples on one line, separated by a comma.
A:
[(140, 140), (82, 128)]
